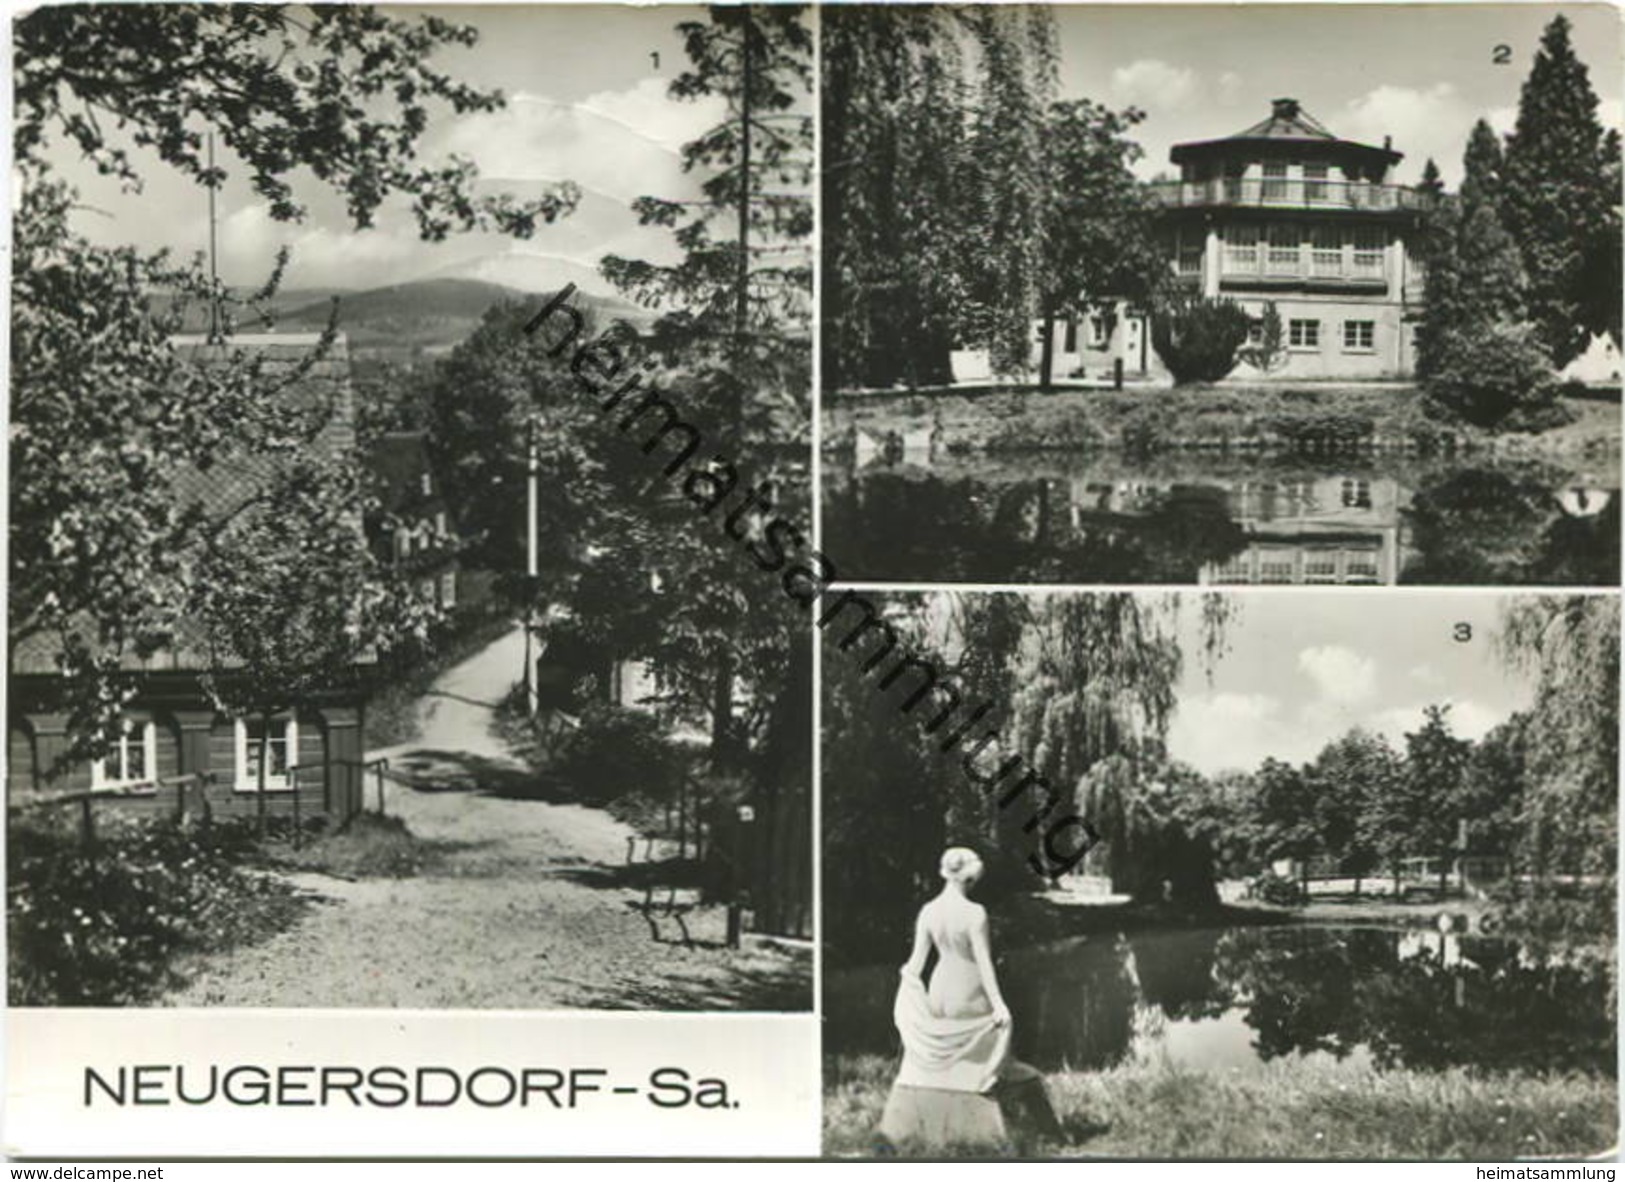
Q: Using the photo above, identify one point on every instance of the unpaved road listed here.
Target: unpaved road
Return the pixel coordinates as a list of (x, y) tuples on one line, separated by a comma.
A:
[(527, 906)]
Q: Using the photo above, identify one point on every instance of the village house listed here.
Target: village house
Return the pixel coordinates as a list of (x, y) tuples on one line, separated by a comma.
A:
[(171, 730), (411, 529), (1285, 212)]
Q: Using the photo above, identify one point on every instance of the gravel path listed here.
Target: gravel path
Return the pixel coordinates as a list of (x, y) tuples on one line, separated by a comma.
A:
[(528, 905)]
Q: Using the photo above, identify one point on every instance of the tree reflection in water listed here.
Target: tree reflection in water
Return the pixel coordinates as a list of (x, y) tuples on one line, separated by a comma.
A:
[(1415, 999)]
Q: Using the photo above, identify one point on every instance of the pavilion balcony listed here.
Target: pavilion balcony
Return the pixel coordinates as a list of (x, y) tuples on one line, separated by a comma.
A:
[(1290, 193)]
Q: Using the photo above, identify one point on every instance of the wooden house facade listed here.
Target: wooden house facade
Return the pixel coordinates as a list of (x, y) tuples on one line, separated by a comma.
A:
[(176, 754)]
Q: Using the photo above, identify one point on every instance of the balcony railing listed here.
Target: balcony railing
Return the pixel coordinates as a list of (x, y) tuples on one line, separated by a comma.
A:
[(1294, 193)]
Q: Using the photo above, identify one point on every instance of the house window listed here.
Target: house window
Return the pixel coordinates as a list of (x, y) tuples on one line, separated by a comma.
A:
[(426, 591), (1274, 188), (403, 542), (1284, 239), (1359, 336), (1188, 256), (1356, 494), (1275, 569), (1303, 334), (1255, 330), (132, 761), (448, 589), (1314, 181), (1098, 336), (1070, 344), (1326, 252), (1320, 567), (280, 753), (1241, 248), (1369, 242), (440, 523), (426, 483), (1360, 568)]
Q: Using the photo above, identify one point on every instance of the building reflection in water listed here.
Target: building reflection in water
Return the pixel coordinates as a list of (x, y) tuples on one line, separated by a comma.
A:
[(1325, 529)]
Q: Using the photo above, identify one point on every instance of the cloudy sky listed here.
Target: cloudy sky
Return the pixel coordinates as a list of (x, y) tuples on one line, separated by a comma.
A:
[(586, 102), (1418, 72), (1305, 667)]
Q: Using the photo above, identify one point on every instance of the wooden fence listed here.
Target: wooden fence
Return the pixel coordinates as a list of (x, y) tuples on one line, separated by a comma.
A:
[(196, 794)]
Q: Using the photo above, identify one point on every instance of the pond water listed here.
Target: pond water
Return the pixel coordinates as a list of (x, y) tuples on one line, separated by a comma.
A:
[(1206, 518), (1221, 999)]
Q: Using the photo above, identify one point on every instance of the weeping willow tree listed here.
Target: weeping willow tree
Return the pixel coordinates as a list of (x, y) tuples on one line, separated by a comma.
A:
[(933, 191), (1096, 679), (1570, 820)]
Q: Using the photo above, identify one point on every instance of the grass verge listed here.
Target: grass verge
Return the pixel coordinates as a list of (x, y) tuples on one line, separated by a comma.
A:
[(1287, 1108), (369, 847)]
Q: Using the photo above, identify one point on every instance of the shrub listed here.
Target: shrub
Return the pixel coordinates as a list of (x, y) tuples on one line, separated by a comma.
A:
[(617, 752), (1272, 888), (1494, 375), (1199, 339), (102, 924), (370, 846)]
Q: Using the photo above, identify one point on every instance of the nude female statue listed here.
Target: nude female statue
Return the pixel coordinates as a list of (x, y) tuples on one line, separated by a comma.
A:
[(956, 1030), (964, 984)]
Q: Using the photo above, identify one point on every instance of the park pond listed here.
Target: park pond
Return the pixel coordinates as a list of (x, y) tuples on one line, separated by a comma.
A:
[(1227, 999), (1194, 517)]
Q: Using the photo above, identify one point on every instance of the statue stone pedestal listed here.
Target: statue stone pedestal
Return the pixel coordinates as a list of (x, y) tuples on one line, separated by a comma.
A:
[(923, 1120)]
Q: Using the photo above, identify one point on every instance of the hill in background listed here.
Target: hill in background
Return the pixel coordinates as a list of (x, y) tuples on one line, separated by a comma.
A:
[(408, 321)]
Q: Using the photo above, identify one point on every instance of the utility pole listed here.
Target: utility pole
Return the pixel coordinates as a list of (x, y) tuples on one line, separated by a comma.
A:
[(531, 468), (216, 334)]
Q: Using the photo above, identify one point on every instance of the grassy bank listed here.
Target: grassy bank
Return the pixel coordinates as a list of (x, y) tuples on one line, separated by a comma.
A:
[(1288, 1108), (1242, 417)]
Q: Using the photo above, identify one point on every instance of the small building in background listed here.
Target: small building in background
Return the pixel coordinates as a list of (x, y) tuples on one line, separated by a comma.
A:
[(411, 528)]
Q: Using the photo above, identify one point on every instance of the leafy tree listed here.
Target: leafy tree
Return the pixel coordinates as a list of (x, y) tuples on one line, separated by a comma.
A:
[(894, 94), (1098, 240), (340, 90), (1561, 199), (1433, 785), (102, 549), (1432, 183), (1012, 195), (1482, 166), (287, 597), (1094, 680), (1346, 779), (495, 390), (740, 296), (1479, 359), (1570, 817), (1199, 339), (933, 209), (736, 337), (1287, 826)]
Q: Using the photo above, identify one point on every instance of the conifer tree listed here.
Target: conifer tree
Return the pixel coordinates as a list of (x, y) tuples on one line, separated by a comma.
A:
[(1561, 200)]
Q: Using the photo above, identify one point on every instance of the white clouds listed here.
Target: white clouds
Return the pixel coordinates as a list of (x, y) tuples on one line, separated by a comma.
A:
[(1150, 82), (1341, 675), (1468, 720), (616, 145), (1230, 87), (1229, 730)]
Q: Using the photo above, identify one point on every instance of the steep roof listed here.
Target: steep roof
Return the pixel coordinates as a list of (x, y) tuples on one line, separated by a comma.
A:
[(1287, 125), (323, 383)]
